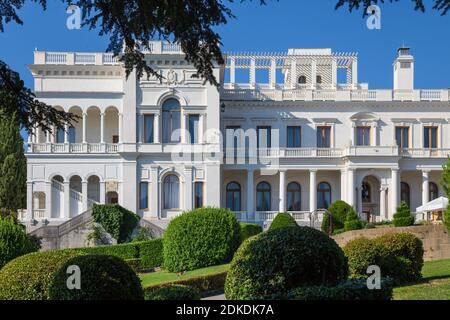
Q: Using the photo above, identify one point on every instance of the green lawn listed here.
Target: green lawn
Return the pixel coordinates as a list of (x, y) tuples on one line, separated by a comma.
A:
[(435, 284), (162, 277)]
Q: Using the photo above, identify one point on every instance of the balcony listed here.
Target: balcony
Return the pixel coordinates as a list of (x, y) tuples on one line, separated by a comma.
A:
[(371, 151), (425, 153), (68, 148), (75, 58)]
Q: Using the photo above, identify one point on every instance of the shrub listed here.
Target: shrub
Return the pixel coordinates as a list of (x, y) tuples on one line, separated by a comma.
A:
[(143, 234), (352, 222), (283, 219), (214, 281), (173, 292), (8, 213), (151, 253), (249, 230), (135, 264), (200, 238), (402, 256), (282, 259), (14, 241), (350, 290), (403, 217), (338, 211), (28, 277), (116, 220), (103, 277), (447, 217), (123, 251), (361, 253)]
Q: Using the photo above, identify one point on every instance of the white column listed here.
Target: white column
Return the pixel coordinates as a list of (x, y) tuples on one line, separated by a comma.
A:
[(359, 197), (394, 194), (373, 134), (201, 130), (282, 206), (354, 73), (66, 214), (66, 133), (102, 127), (232, 72), (84, 127), (155, 208), (343, 184), (30, 200), (351, 187), (30, 138), (334, 73), (48, 200), (312, 190), (183, 126), (188, 196), (84, 192), (353, 135), (252, 73), (273, 73), (120, 128), (383, 214), (48, 137), (156, 128), (140, 128), (250, 193), (102, 192), (38, 135), (293, 73), (425, 186), (313, 74)]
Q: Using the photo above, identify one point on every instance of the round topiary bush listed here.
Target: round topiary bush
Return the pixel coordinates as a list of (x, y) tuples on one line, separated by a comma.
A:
[(200, 238), (352, 222), (402, 256), (279, 260), (283, 219), (14, 241), (28, 277), (403, 217), (103, 277), (338, 211), (249, 230), (174, 292), (361, 253)]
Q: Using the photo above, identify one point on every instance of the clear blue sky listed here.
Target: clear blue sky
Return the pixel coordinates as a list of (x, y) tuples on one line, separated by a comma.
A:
[(275, 27)]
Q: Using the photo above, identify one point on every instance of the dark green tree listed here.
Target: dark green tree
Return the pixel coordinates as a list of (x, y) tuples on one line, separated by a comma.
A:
[(403, 217), (445, 182), (352, 221), (13, 165)]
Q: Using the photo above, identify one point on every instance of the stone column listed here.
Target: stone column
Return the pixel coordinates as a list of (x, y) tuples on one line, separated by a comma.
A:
[(282, 206), (201, 129), (84, 192), (120, 128), (351, 187), (155, 207), (188, 195), (425, 186), (102, 127), (250, 193), (66, 214), (84, 127), (102, 192), (343, 184), (232, 72), (29, 200), (359, 197), (66, 133), (183, 126), (313, 74), (394, 195), (48, 200), (156, 128), (312, 190), (383, 214)]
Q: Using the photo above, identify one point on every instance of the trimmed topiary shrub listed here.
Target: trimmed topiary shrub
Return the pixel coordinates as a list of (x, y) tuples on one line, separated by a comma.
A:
[(352, 222), (103, 277), (28, 277), (249, 230), (279, 260), (173, 292), (403, 217), (402, 256), (200, 238), (338, 211), (14, 241), (151, 253), (361, 253), (283, 219), (116, 220)]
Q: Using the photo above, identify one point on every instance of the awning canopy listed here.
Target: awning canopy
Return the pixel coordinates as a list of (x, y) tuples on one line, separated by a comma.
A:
[(435, 205)]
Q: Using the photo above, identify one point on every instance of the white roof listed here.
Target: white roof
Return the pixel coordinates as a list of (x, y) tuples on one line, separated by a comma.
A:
[(437, 204)]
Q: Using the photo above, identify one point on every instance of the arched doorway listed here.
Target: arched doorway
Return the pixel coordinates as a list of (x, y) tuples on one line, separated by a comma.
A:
[(93, 190), (370, 198), (57, 205), (112, 197), (76, 197)]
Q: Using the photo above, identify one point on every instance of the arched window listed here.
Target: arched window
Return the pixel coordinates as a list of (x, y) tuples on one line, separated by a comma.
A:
[(323, 195), (234, 196), (171, 189), (293, 197), (302, 80), (171, 121), (263, 197), (366, 193), (433, 191), (405, 193), (319, 79)]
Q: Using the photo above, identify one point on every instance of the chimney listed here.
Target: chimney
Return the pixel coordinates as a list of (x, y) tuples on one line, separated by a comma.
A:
[(404, 70)]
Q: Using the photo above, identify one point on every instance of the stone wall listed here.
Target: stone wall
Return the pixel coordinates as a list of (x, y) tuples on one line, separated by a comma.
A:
[(435, 238)]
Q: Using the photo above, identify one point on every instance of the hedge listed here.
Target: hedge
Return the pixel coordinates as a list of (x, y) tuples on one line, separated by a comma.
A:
[(279, 260), (173, 292), (200, 238), (103, 277), (338, 210), (151, 253), (283, 219), (249, 230), (28, 277), (214, 281)]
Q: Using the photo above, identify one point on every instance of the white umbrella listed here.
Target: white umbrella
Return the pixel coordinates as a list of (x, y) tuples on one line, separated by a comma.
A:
[(438, 204)]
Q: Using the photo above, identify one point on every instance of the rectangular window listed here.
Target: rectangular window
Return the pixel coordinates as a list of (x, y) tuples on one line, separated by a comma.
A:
[(430, 139), (363, 136), (323, 137), (60, 133), (198, 195), (294, 135), (148, 128), (402, 137), (194, 120), (115, 139), (264, 137), (143, 195), (72, 135), (171, 124)]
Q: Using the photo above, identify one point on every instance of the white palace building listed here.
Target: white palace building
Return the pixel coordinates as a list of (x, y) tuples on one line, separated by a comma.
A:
[(311, 134)]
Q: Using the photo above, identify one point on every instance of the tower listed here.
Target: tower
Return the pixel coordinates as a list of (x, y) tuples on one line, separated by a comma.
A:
[(404, 70)]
